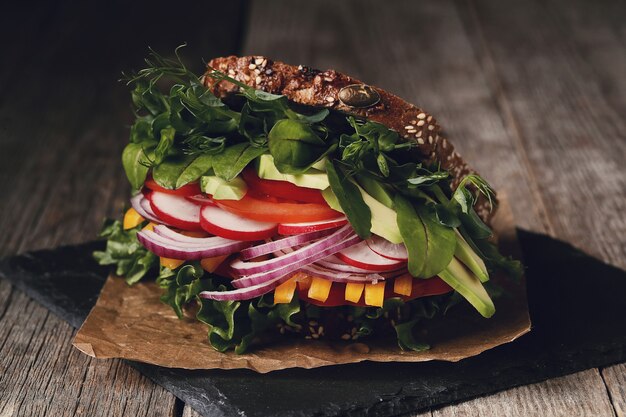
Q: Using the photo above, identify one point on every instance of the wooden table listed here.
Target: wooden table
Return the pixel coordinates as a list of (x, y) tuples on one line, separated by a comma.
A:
[(533, 94)]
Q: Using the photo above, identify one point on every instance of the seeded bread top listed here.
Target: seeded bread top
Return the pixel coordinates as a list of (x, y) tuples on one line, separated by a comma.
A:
[(343, 93)]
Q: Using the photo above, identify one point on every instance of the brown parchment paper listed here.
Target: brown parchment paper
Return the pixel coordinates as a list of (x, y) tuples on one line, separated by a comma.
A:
[(131, 323)]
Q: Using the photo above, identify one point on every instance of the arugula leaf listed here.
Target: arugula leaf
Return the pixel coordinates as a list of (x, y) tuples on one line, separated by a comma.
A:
[(447, 216), (495, 260), (406, 338), (136, 163), (430, 244), (197, 144), (234, 159), (424, 177), (123, 250), (294, 145), (351, 200), (474, 225), (464, 197), (382, 164)]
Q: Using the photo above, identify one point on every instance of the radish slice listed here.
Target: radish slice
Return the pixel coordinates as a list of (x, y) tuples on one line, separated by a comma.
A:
[(304, 252), (161, 246), (383, 247), (262, 277), (202, 199), (231, 226), (175, 210), (362, 256), (297, 228), (288, 242), (142, 206)]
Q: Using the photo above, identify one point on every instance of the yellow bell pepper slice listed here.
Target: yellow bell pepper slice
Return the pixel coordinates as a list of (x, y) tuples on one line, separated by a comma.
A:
[(150, 226), (132, 219), (284, 292), (354, 291), (375, 294), (171, 263), (403, 285), (319, 289), (211, 264), (303, 280)]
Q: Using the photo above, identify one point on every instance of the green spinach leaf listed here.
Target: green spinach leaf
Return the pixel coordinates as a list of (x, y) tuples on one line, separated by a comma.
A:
[(196, 168), (294, 145), (170, 170), (430, 244), (136, 163), (350, 200), (234, 159)]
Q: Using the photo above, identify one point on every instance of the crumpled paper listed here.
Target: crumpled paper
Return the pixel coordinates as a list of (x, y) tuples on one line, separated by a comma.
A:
[(132, 323)]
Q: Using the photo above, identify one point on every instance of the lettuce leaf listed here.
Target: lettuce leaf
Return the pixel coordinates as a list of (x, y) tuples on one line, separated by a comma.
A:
[(123, 250)]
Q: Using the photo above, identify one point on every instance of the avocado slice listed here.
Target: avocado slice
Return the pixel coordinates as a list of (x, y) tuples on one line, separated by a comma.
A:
[(376, 190), (469, 286), (313, 178), (466, 254), (320, 165), (221, 189), (383, 218)]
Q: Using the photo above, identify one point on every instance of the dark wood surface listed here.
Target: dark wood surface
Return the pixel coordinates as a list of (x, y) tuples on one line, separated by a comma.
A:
[(532, 93)]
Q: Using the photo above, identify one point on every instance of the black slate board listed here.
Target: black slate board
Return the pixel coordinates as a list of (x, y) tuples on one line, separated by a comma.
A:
[(576, 303)]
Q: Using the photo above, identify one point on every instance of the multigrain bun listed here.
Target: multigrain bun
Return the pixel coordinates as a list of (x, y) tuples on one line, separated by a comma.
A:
[(340, 92)]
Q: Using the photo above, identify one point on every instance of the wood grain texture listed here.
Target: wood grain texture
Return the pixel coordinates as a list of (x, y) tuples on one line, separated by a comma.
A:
[(43, 375), (575, 395), (63, 123), (189, 412), (572, 138), (615, 380)]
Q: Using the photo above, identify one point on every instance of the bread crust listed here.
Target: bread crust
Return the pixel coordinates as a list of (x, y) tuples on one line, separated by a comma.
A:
[(311, 87)]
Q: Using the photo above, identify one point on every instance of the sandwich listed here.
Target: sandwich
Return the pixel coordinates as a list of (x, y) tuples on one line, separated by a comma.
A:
[(273, 201)]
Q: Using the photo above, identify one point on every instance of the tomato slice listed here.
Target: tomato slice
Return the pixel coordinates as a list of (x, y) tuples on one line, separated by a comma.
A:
[(421, 288), (264, 210), (282, 189), (185, 190)]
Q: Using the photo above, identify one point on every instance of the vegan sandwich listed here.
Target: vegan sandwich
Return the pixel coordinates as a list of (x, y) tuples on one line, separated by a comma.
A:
[(275, 201)]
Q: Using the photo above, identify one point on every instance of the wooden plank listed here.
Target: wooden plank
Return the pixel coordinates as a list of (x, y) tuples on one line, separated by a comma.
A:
[(572, 137), (615, 380), (42, 374), (596, 34), (566, 396), (189, 412)]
